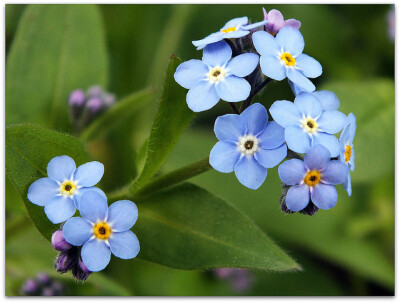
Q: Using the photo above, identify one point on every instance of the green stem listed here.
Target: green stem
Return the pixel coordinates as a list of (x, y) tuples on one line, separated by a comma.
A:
[(163, 181)]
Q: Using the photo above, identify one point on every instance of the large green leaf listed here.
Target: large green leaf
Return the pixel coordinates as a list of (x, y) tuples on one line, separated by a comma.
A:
[(186, 227), (57, 48), (29, 148), (171, 119), (372, 102)]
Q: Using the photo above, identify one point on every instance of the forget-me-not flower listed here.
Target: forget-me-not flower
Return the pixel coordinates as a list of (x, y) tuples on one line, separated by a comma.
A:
[(216, 76), (282, 57), (276, 21), (314, 178), (235, 28), (307, 124), (103, 230), (346, 154), (248, 144), (60, 192)]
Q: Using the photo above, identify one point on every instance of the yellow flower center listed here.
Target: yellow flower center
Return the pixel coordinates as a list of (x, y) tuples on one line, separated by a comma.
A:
[(309, 125), (347, 153), (288, 59), (102, 231), (228, 30), (68, 188), (312, 178), (216, 74)]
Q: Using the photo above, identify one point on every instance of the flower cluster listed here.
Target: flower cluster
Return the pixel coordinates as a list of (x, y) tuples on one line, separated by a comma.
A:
[(85, 243), (238, 61)]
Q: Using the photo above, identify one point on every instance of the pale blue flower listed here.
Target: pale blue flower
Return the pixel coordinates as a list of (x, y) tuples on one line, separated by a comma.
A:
[(216, 76), (346, 154), (234, 28), (307, 124), (282, 57), (103, 230), (248, 145), (60, 192), (312, 179)]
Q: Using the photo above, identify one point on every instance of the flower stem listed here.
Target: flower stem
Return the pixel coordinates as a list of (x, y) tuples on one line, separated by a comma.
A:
[(234, 108), (257, 89), (235, 51)]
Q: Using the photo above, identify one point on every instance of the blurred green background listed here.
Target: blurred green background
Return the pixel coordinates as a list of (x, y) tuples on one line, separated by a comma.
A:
[(348, 250)]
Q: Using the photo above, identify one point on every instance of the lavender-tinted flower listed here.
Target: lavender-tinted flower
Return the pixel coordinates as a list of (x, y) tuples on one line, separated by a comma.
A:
[(58, 241), (276, 22)]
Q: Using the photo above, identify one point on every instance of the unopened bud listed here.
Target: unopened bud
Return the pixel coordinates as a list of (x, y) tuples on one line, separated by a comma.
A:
[(65, 261), (77, 98), (80, 272), (58, 241)]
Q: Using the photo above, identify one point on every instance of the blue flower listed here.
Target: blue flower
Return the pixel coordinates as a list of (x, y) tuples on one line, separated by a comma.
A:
[(314, 178), (347, 149), (282, 57), (60, 192), (234, 28), (307, 124), (216, 76), (103, 230), (248, 145)]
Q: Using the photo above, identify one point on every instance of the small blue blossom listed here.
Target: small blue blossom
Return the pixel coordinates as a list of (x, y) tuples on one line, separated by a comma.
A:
[(347, 149), (314, 178), (248, 144), (216, 76), (282, 57), (276, 21), (307, 124), (103, 230), (234, 28), (60, 192)]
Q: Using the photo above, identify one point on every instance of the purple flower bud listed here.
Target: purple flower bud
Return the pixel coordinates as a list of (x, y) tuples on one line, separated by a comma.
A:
[(80, 272), (48, 291), (94, 104), (58, 241), (65, 261), (43, 278), (77, 98), (276, 22), (223, 272), (109, 100), (30, 287), (95, 91)]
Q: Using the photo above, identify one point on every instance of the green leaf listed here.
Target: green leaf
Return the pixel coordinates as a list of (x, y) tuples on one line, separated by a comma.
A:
[(186, 227), (116, 114), (29, 148), (57, 48), (171, 119), (372, 102)]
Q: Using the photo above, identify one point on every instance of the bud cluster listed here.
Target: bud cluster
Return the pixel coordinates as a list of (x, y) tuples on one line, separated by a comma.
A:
[(42, 285)]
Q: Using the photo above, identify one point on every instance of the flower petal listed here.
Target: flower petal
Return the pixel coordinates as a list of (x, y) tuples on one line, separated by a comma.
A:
[(275, 21), (265, 44), (299, 79), (291, 40), (236, 22), (250, 173), (61, 168), (295, 88), (224, 156), (297, 139), (60, 209), (308, 105), (217, 54), (335, 172), (122, 215), (42, 191), (202, 97), (329, 141), (285, 113), (271, 157), (272, 67), (124, 245), (310, 67), (324, 196), (229, 127), (256, 118), (317, 157), (297, 197), (347, 185), (332, 121), (292, 23), (89, 174), (243, 64), (292, 172), (328, 99), (212, 38), (78, 194), (233, 89), (95, 255), (188, 74), (272, 137), (93, 206), (255, 25), (77, 231)]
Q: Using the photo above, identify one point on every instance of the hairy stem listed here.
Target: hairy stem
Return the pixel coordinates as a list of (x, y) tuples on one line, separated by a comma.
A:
[(234, 108), (255, 91)]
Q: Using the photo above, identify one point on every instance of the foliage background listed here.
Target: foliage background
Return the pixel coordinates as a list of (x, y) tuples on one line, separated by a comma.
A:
[(348, 250)]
